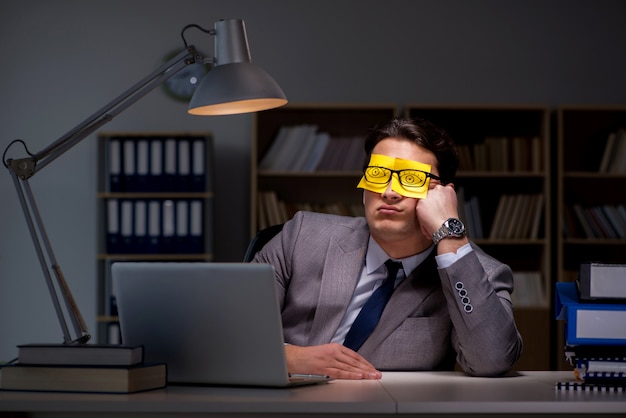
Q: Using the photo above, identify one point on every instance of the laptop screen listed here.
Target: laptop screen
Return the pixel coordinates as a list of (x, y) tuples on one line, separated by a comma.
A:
[(212, 323)]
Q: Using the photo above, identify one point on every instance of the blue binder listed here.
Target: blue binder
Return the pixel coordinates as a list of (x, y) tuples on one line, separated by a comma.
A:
[(198, 166), (589, 323), (154, 227), (183, 179), (182, 227), (168, 227), (129, 165), (142, 169), (140, 227), (196, 227), (170, 166), (114, 159), (127, 220), (155, 179), (113, 226)]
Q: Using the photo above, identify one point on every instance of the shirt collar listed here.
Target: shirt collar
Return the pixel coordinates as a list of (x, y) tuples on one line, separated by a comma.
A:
[(376, 257)]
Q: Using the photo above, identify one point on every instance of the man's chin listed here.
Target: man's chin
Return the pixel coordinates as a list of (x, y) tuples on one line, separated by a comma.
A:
[(390, 229)]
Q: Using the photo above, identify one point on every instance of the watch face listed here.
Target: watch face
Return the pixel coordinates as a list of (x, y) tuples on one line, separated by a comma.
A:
[(455, 226)]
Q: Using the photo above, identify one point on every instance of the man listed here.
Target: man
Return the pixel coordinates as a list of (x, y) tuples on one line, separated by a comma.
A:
[(451, 301)]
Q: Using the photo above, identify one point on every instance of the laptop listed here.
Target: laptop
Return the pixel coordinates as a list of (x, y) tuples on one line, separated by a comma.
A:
[(211, 323)]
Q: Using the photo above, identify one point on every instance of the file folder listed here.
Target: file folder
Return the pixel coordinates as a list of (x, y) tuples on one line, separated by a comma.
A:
[(168, 231), (182, 226), (143, 165), (129, 168), (196, 227), (113, 226), (126, 226), (170, 169), (602, 283), (589, 323), (183, 180), (155, 182), (115, 165), (154, 227), (198, 166), (140, 227)]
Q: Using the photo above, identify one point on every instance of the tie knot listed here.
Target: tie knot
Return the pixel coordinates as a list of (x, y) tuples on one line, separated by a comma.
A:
[(392, 268)]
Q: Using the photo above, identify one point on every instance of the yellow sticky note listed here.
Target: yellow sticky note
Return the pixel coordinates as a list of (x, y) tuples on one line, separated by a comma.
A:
[(396, 164)]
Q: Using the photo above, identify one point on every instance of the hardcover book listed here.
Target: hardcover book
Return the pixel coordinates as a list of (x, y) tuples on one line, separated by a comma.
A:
[(102, 379), (80, 355)]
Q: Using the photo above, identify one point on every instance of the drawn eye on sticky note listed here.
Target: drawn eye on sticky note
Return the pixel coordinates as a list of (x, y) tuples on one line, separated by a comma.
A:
[(408, 178)]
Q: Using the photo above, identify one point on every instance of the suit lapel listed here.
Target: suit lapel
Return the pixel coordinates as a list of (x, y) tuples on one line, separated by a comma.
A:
[(343, 264)]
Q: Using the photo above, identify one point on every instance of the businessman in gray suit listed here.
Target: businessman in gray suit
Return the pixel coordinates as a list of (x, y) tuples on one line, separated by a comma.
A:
[(449, 302)]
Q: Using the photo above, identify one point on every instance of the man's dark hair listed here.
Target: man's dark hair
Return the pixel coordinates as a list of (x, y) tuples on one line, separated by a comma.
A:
[(423, 133)]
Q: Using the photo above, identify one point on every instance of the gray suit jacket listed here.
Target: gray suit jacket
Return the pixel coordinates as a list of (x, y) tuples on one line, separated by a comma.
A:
[(433, 318)]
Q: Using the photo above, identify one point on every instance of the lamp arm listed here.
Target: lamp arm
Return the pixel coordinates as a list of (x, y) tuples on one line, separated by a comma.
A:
[(50, 267), (27, 167), (23, 169)]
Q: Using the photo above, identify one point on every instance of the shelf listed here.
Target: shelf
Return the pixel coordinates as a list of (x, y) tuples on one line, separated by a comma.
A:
[(155, 203), (155, 257), (342, 122), (582, 136), (154, 195)]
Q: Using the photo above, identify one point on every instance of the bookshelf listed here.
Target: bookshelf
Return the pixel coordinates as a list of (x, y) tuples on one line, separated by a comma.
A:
[(503, 184), (329, 187), (590, 182), (155, 203)]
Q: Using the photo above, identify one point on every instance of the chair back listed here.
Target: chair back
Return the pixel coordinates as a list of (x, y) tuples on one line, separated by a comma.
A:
[(259, 240)]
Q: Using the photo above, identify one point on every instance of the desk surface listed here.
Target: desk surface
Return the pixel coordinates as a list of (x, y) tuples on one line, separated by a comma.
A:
[(405, 393), (521, 392)]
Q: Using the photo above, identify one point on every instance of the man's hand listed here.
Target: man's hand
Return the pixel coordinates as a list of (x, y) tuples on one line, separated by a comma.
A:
[(439, 205), (333, 360)]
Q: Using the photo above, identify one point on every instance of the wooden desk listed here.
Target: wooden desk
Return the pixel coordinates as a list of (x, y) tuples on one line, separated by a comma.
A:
[(438, 394)]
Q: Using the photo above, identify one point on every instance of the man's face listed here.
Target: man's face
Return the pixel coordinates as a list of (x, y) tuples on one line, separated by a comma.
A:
[(390, 215)]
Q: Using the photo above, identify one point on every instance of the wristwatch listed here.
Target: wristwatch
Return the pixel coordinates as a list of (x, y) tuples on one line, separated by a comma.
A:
[(452, 227)]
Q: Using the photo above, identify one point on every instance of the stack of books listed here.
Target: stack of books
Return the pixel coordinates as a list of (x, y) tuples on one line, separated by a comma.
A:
[(301, 148), (594, 313), (82, 368)]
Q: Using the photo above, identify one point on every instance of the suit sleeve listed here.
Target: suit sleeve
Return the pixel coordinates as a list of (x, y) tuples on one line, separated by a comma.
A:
[(277, 252), (477, 289)]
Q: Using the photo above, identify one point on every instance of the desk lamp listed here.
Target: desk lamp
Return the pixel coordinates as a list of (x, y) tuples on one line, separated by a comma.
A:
[(233, 85)]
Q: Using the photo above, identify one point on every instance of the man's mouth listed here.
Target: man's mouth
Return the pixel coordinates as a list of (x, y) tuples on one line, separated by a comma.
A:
[(388, 210)]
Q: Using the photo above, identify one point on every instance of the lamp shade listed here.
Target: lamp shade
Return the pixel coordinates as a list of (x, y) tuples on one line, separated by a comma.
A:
[(236, 88), (234, 84)]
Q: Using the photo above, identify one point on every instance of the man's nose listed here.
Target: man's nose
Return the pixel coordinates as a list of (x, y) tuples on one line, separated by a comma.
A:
[(389, 193)]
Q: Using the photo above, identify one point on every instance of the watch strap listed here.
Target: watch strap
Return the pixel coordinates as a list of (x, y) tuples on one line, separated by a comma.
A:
[(440, 234), (444, 231)]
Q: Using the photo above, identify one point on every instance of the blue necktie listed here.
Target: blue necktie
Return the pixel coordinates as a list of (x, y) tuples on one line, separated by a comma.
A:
[(367, 319)]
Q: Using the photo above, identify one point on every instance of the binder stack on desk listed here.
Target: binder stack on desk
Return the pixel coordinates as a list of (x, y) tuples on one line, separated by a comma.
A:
[(594, 314)]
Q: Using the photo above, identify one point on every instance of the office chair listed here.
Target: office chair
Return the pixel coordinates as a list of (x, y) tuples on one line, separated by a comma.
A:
[(259, 240)]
